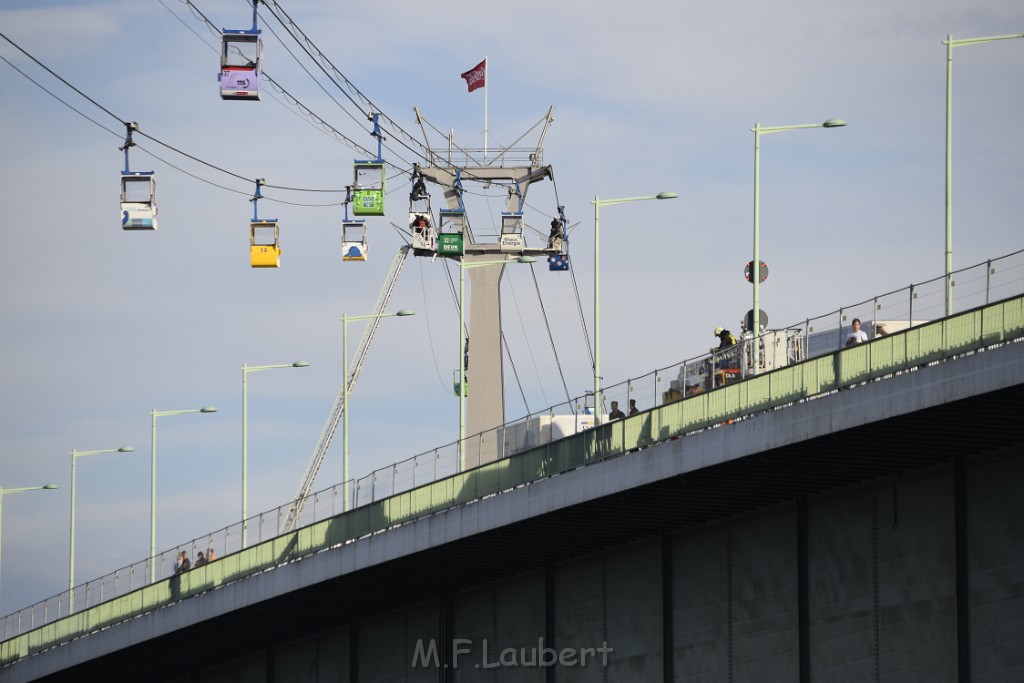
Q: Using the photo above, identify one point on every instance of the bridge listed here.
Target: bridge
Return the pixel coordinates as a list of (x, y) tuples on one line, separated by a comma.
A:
[(854, 516)]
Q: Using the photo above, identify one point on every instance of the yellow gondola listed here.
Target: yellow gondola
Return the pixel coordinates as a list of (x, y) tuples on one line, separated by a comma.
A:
[(264, 244)]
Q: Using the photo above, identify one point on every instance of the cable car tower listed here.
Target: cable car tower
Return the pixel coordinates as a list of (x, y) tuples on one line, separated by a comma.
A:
[(451, 168)]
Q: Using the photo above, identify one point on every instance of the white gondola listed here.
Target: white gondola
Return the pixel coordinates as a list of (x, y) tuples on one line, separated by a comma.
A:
[(421, 225), (138, 200), (511, 232), (241, 64), (353, 241)]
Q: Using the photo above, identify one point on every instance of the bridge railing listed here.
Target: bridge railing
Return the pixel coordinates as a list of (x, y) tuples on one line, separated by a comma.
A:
[(556, 440)]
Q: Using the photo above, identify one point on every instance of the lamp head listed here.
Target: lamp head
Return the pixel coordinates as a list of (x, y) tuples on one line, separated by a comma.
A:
[(207, 409), (673, 195), (50, 487), (125, 449), (834, 123), (300, 364), (526, 259), (404, 312)]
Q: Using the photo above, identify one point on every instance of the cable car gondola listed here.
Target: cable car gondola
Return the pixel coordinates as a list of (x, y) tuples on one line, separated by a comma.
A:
[(264, 237), (241, 62), (511, 231), (370, 177), (368, 191), (264, 244), (138, 192), (353, 240), (451, 232)]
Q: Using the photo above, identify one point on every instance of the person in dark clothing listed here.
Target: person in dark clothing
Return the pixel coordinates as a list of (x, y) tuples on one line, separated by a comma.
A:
[(725, 339)]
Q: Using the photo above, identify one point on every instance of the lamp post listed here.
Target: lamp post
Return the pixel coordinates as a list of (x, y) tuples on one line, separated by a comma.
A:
[(950, 44), (598, 203), (152, 487), (345, 320), (463, 267), (755, 268), (246, 369), (75, 455), (3, 492)]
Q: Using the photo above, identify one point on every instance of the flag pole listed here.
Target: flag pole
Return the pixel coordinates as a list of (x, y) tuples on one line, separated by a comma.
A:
[(486, 84)]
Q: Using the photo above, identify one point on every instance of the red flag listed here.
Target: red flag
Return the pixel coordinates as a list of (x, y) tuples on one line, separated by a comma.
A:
[(477, 76)]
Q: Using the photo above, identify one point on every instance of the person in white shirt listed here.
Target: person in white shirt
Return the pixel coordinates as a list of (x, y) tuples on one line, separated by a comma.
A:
[(858, 336)]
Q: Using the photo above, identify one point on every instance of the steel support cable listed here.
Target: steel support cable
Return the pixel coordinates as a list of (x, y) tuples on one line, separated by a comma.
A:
[(112, 132), (583, 320), (515, 373), (61, 79), (551, 338), (182, 22), (430, 338), (333, 99), (529, 348), (306, 110), (579, 303), (138, 131), (316, 120), (426, 154), (54, 96), (140, 147), (575, 287), (295, 101)]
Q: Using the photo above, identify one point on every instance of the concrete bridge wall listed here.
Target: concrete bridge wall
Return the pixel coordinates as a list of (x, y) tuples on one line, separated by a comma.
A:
[(856, 586)]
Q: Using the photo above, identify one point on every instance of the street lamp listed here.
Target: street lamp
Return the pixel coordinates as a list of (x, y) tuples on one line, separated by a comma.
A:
[(345, 320), (463, 267), (598, 203), (950, 44), (152, 486), (3, 492), (755, 267), (246, 369), (75, 455)]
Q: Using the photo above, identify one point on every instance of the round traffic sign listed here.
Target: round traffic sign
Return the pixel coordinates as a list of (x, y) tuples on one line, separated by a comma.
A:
[(762, 316), (762, 271)]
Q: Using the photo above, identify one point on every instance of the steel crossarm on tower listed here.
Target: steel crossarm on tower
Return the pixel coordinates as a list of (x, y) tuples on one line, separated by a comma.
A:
[(331, 426)]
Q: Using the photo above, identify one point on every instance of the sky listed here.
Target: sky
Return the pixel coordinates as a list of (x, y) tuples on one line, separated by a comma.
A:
[(101, 326)]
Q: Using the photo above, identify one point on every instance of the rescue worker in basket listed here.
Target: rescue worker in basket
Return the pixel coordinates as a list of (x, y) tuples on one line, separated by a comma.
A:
[(555, 239), (725, 339), (419, 225), (419, 188)]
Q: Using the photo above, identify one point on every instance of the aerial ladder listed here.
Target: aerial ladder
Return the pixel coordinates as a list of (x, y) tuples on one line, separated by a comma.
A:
[(331, 426)]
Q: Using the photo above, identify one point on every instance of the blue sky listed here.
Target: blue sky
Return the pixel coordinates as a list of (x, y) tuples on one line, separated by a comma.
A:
[(101, 326)]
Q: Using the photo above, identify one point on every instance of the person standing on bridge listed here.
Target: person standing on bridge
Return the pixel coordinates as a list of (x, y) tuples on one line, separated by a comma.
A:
[(858, 336), (183, 564), (616, 414), (633, 410)]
